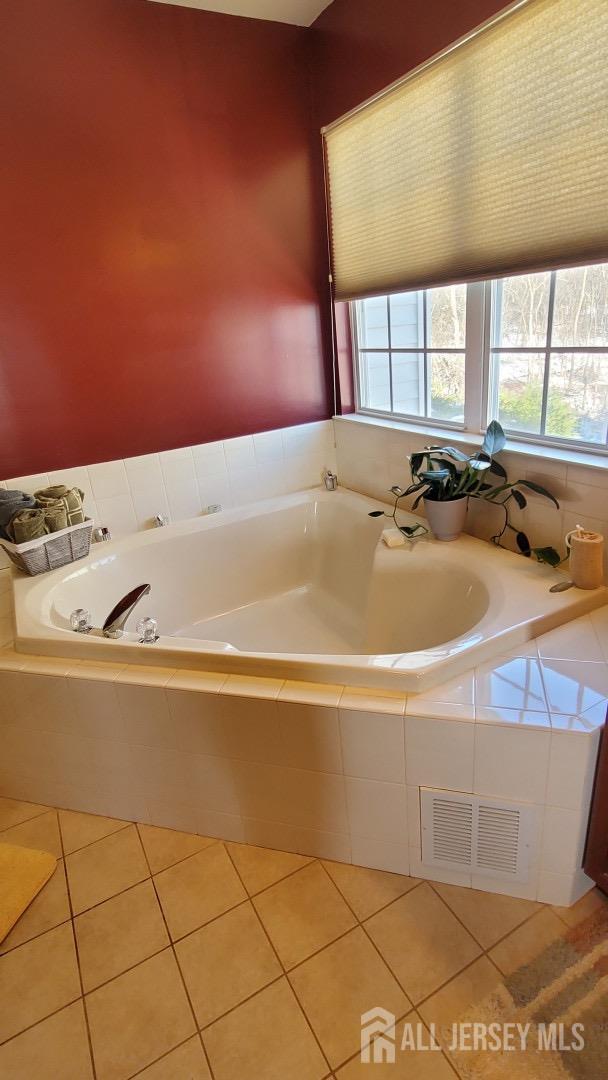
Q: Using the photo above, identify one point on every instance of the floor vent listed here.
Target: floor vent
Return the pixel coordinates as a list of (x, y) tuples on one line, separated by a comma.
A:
[(475, 834)]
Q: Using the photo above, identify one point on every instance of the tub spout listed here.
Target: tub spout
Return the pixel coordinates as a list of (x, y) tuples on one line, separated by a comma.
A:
[(114, 625)]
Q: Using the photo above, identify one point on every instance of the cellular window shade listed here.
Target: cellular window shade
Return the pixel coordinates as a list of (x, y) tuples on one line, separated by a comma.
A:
[(490, 160)]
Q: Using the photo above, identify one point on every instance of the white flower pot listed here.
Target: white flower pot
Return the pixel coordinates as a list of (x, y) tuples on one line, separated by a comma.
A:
[(446, 518)]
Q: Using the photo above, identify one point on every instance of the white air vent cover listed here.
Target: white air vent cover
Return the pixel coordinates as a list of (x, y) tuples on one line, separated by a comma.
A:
[(479, 835)]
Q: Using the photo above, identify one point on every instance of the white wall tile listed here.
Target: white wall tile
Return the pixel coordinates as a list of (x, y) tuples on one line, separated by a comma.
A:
[(292, 796), (574, 687), (571, 769), (183, 497), (268, 447), (515, 683), (380, 855), (377, 810), (126, 495), (29, 484), (309, 737), (209, 460), (563, 843), (439, 753), (317, 843), (240, 453), (511, 763), (562, 889), (373, 745), (117, 514), (145, 716), (213, 784), (576, 640), (108, 479)]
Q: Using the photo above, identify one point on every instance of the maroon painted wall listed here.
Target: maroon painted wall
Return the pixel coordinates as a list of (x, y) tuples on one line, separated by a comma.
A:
[(364, 45), (163, 249)]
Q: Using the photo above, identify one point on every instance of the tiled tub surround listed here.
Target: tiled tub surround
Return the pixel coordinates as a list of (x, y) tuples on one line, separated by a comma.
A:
[(300, 587), (126, 495), (326, 771), (371, 457)]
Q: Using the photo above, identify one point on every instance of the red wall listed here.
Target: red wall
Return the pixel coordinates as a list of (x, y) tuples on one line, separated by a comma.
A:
[(364, 45), (162, 240)]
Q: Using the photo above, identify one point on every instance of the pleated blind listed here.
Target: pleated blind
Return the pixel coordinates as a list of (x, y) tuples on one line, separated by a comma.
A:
[(491, 160)]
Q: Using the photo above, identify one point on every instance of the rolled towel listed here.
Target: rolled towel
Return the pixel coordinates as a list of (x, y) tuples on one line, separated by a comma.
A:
[(39, 521), (71, 499), (10, 503)]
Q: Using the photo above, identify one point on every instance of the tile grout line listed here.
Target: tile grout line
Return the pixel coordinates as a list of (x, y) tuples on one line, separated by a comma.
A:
[(280, 962), (485, 950), (175, 957), (75, 939)]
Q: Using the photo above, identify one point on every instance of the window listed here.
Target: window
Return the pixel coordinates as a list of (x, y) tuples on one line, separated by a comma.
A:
[(531, 351)]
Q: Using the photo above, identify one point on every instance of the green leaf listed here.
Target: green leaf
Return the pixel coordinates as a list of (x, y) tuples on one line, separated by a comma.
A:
[(494, 439), (433, 475), (539, 490), (376, 513), (520, 499), (417, 501), (523, 544), (498, 470), (416, 462), (411, 530), (397, 491), (547, 555), (479, 464)]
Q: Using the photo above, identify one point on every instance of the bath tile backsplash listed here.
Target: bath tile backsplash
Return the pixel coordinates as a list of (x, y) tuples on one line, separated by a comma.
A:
[(371, 458), (126, 495)]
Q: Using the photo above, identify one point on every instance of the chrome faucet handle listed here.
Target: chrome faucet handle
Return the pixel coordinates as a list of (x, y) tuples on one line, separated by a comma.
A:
[(114, 625), (160, 520), (101, 534)]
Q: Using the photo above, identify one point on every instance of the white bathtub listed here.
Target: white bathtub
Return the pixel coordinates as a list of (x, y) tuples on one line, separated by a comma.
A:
[(300, 587)]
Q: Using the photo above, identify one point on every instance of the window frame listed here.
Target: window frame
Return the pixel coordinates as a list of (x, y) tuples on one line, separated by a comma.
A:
[(481, 375)]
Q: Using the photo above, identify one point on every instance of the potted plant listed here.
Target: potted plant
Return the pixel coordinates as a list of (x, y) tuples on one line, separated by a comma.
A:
[(446, 478)]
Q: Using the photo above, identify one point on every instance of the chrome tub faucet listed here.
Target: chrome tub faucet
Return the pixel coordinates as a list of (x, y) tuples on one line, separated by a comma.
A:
[(114, 626)]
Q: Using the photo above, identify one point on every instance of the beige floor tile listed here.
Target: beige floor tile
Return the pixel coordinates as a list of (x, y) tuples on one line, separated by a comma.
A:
[(12, 811), (261, 867), (588, 905), (528, 941), (41, 833), (461, 997), (339, 984), (55, 1049), (105, 868), (78, 830), (266, 1038), (119, 933), (303, 913), (48, 909), (488, 916), (188, 1062), (164, 847), (137, 1017), (197, 890), (368, 890), (409, 1064), (422, 942), (37, 979), (225, 962)]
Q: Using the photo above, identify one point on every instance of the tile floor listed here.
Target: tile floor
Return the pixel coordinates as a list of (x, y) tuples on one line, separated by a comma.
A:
[(168, 956)]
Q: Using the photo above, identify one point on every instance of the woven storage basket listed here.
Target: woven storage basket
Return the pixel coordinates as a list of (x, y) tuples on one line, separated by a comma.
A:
[(49, 552)]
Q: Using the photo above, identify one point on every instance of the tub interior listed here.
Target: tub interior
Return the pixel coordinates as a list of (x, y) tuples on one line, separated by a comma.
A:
[(303, 579)]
